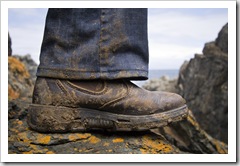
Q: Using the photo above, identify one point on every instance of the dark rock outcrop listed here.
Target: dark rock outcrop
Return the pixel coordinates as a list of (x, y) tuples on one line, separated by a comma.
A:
[(203, 82), (9, 45), (222, 39)]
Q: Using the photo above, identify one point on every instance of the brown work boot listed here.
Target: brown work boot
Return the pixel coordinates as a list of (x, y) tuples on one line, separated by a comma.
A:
[(114, 105)]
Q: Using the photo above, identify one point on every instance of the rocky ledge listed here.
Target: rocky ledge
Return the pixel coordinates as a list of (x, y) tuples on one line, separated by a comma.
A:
[(179, 137)]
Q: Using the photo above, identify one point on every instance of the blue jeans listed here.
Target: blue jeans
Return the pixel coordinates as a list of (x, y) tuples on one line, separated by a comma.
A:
[(95, 44)]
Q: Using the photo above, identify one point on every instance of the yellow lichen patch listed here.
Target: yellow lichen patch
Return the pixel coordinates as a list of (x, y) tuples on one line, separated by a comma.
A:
[(42, 139), (117, 140), (75, 137), (221, 147), (50, 152), (38, 149), (20, 122), (106, 144), (155, 146), (93, 140), (72, 137), (83, 136), (193, 122), (33, 146), (23, 137), (16, 66), (12, 94), (144, 151)]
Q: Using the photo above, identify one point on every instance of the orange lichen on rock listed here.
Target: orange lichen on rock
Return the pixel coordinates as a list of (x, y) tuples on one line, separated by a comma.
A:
[(155, 146), (23, 137), (19, 81), (83, 136), (72, 137), (16, 66), (19, 122), (42, 139), (106, 144), (220, 146), (50, 152), (94, 140), (117, 140), (12, 94), (192, 121), (75, 137)]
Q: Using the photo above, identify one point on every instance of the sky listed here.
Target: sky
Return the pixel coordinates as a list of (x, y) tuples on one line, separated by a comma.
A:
[(174, 34)]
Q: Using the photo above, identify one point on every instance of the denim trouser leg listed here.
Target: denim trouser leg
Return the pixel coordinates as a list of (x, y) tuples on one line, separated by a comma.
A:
[(95, 44)]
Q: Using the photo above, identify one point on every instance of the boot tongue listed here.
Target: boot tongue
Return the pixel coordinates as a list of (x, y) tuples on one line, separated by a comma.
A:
[(91, 85)]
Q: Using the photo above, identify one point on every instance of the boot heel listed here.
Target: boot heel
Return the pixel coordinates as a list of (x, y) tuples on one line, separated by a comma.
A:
[(44, 118)]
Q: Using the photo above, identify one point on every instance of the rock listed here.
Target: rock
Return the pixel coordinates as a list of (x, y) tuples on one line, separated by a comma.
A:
[(188, 136), (30, 65), (222, 39), (181, 137), (9, 45), (203, 82), (20, 83), (164, 83), (21, 76), (17, 109), (179, 85)]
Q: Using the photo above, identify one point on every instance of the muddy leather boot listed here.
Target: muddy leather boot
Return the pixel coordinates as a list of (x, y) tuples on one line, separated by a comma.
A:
[(113, 105)]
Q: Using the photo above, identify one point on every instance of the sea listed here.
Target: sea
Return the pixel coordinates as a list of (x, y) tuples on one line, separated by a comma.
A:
[(153, 74)]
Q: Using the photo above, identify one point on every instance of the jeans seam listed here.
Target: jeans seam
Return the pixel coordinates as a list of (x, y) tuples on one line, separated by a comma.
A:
[(99, 42)]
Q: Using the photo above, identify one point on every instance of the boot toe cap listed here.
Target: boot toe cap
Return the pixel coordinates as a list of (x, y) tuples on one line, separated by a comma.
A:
[(170, 101)]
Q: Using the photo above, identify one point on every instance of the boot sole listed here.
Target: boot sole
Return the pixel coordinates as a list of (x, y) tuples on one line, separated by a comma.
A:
[(44, 118)]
